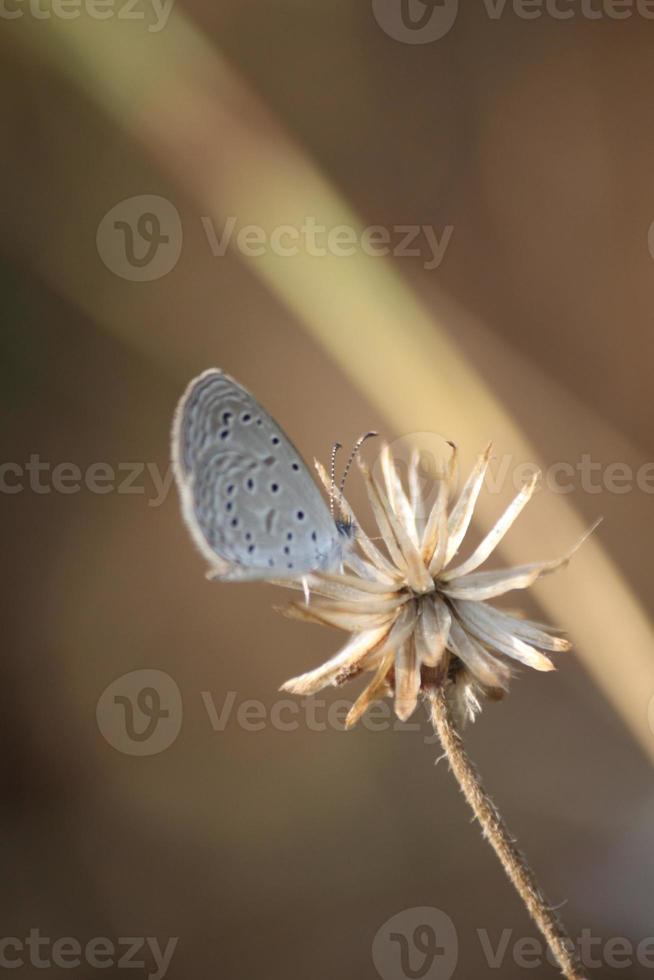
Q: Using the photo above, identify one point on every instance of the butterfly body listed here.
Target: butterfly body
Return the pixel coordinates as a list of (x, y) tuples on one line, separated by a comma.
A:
[(247, 497)]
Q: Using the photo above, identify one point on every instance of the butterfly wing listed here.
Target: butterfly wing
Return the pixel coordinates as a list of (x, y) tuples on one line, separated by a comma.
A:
[(247, 497)]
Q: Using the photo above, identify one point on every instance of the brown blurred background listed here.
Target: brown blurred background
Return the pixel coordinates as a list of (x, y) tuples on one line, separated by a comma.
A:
[(273, 852)]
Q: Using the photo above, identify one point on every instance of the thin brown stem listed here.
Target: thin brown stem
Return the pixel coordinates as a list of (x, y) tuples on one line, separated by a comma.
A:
[(496, 832)]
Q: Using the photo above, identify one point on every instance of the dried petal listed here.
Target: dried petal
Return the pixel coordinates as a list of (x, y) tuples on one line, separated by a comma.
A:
[(417, 576), (495, 535), (407, 680), (477, 622), (432, 631), (376, 689), (488, 585), (524, 629), (479, 662), (341, 617), (397, 497), (461, 515), (435, 532), (354, 651)]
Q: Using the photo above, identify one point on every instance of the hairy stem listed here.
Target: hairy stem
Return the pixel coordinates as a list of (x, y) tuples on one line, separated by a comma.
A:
[(496, 832)]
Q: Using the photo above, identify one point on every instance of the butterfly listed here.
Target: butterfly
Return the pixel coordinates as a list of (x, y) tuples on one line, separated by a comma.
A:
[(247, 497)]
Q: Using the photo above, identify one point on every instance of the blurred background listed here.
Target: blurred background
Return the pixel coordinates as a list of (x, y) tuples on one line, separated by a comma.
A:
[(267, 841)]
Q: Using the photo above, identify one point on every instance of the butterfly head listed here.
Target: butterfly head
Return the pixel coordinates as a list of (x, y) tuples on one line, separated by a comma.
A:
[(346, 527)]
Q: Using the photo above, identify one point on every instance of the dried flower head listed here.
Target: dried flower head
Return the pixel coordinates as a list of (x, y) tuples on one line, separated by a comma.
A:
[(418, 620)]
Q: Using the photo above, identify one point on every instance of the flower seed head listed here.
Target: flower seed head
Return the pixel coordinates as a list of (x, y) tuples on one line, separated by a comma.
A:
[(418, 617)]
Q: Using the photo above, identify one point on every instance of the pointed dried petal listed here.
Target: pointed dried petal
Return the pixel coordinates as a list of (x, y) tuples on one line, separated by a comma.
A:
[(366, 605), (397, 497), (347, 587), (461, 515), (334, 617), (354, 651), (398, 542), (382, 517), (432, 631), (436, 528), (376, 689), (366, 570), (370, 549), (488, 585), (523, 629), (402, 628), (357, 587), (383, 658), (453, 467), (338, 616), (480, 663), (476, 620), (415, 491), (417, 575), (407, 680), (440, 551), (495, 535)]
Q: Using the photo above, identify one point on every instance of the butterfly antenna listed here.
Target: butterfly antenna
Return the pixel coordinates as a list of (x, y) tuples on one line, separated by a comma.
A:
[(353, 455), (332, 477)]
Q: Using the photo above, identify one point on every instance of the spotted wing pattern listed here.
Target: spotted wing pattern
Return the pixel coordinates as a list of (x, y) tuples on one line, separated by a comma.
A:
[(248, 498)]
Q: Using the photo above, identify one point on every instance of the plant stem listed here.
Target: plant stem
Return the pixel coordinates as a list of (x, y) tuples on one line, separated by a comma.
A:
[(496, 832)]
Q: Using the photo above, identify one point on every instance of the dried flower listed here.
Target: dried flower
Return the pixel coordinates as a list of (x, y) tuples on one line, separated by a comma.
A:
[(418, 620)]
